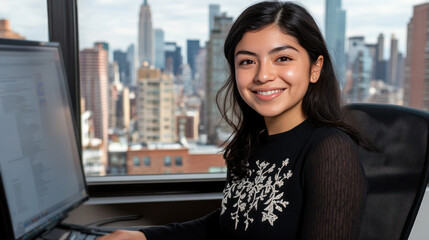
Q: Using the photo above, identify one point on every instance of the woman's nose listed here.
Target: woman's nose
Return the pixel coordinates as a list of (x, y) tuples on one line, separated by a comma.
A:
[(265, 73)]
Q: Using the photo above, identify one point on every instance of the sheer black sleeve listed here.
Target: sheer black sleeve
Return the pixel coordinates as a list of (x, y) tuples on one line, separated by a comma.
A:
[(334, 190), (203, 228)]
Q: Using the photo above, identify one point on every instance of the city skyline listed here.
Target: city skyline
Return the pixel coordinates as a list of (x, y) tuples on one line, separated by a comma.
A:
[(189, 20)]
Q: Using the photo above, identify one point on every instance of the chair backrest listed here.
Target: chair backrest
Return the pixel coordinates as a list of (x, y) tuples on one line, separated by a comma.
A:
[(398, 172)]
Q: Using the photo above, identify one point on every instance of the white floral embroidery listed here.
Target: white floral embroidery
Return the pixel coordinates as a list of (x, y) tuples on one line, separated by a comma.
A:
[(248, 193)]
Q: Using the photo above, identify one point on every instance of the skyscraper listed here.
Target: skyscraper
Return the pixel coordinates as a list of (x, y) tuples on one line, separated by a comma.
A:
[(113, 91), (200, 77), (173, 58), (393, 62), (94, 88), (335, 34), (360, 60), (146, 50), (381, 63), (193, 47), (214, 10), (380, 47), (123, 69), (189, 86), (416, 83), (159, 49), (217, 70), (132, 65)]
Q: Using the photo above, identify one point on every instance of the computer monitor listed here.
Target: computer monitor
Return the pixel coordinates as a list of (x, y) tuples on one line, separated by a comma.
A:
[(40, 165)]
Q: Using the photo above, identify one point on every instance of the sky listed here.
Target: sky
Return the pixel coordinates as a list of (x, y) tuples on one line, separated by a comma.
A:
[(116, 21)]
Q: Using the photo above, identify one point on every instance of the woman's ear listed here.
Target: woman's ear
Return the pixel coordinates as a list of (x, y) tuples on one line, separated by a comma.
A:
[(316, 69)]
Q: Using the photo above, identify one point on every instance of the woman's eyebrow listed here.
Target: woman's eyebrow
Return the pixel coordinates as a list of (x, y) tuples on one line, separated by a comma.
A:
[(281, 48), (274, 50), (245, 52)]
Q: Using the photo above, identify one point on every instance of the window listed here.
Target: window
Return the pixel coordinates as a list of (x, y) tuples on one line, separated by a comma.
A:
[(136, 161), (146, 161), (156, 87), (167, 161), (178, 161)]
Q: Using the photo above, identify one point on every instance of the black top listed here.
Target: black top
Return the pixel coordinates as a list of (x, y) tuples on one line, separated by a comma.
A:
[(306, 183)]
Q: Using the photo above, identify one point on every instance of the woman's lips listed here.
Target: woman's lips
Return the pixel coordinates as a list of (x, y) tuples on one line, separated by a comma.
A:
[(266, 95)]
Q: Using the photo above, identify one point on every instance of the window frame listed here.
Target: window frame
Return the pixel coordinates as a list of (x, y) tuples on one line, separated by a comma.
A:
[(63, 28)]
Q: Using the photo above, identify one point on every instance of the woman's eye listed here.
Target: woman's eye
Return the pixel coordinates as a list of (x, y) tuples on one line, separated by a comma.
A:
[(246, 62), (283, 59)]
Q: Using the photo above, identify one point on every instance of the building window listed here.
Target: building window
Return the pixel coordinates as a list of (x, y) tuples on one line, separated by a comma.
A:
[(167, 161), (136, 161), (146, 161), (178, 161)]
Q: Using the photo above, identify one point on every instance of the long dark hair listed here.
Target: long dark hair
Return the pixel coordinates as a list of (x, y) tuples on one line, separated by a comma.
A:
[(322, 103)]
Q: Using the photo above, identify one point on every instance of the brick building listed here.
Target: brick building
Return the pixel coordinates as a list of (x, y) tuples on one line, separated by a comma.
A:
[(174, 158)]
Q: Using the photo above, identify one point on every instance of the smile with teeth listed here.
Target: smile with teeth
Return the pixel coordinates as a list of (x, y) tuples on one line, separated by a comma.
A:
[(266, 93)]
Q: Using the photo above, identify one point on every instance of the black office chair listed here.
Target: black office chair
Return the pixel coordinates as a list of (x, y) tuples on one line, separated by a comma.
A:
[(398, 172)]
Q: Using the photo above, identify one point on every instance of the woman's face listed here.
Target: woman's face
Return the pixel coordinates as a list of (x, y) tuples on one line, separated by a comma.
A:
[(273, 72)]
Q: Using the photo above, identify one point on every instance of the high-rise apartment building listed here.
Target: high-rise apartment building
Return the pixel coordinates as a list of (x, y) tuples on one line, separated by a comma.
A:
[(416, 83), (372, 50), (360, 64), (173, 58), (192, 49), (335, 34), (214, 10), (380, 47), (159, 49), (393, 62), (132, 60), (123, 109), (188, 82), (200, 77), (381, 63), (94, 88), (6, 30), (113, 92), (155, 106), (145, 39), (120, 58), (217, 73)]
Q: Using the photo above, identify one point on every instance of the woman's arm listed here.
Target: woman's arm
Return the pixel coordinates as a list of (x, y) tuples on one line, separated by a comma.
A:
[(206, 227), (334, 190)]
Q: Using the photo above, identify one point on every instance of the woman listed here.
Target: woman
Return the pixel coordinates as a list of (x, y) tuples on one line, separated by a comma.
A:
[(293, 169)]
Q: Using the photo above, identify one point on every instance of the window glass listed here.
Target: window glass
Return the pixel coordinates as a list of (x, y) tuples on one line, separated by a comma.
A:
[(146, 161), (24, 19), (150, 70), (167, 161), (136, 161), (178, 161)]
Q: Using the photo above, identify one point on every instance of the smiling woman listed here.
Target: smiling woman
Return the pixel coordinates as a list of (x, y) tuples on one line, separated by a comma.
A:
[(291, 153)]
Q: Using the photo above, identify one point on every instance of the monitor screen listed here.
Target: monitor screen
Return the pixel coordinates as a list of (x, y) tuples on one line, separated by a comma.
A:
[(40, 164)]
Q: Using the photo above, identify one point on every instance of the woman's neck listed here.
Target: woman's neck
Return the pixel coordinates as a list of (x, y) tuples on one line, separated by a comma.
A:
[(284, 122)]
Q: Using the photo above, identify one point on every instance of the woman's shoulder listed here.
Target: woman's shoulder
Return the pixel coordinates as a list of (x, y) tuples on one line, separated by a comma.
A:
[(331, 136)]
